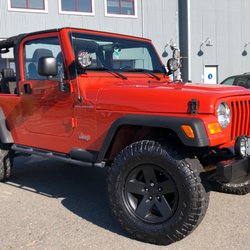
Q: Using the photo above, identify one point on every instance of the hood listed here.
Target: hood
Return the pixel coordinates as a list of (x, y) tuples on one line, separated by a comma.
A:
[(164, 97)]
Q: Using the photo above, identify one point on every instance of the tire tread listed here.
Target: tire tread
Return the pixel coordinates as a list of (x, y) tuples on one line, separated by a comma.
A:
[(190, 168)]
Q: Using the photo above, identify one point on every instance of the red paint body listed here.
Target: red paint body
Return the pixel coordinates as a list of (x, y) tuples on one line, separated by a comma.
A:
[(54, 120)]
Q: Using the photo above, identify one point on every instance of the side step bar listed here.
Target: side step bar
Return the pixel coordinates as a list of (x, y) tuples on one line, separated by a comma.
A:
[(55, 156)]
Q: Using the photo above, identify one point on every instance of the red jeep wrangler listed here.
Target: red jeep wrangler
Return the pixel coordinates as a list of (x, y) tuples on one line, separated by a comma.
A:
[(101, 99)]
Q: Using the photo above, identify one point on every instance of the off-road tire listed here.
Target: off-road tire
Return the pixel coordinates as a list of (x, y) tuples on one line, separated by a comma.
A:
[(6, 163), (239, 187), (184, 200)]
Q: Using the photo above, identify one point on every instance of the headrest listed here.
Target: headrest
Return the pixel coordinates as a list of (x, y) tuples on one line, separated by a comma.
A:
[(89, 46), (38, 53)]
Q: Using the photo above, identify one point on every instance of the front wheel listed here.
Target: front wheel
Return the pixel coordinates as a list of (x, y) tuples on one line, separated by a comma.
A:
[(156, 194)]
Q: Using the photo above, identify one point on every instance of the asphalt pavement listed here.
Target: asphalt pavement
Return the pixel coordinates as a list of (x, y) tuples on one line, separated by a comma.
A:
[(51, 205)]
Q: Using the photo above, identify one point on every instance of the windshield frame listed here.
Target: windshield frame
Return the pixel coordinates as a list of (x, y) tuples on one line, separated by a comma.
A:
[(157, 65)]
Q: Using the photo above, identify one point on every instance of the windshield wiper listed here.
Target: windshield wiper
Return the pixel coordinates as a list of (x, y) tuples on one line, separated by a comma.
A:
[(111, 71), (146, 72)]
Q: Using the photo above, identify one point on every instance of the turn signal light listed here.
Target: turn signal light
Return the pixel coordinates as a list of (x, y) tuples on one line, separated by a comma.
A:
[(188, 131), (214, 128)]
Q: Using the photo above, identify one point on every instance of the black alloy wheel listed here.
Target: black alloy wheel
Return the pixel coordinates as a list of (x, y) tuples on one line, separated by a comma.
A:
[(155, 193), (150, 193)]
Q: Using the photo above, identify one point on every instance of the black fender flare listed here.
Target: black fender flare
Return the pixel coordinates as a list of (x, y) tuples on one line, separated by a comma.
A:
[(168, 122), (5, 134)]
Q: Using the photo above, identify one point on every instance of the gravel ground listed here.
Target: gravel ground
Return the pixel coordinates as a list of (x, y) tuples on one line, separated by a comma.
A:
[(50, 205)]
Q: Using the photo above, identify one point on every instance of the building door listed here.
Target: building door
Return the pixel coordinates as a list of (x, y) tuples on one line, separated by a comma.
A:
[(211, 74)]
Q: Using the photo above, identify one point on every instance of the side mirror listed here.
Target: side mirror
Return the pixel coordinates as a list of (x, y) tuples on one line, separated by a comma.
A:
[(172, 65), (47, 66)]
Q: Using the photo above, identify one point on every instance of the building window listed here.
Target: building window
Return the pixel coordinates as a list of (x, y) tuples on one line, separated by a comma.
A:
[(28, 5), (77, 7), (121, 8)]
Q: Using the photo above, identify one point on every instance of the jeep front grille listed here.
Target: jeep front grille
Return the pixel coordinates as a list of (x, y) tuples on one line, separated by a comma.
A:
[(240, 118)]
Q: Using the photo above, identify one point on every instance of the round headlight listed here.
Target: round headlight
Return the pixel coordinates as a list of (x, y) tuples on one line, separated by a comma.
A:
[(224, 114)]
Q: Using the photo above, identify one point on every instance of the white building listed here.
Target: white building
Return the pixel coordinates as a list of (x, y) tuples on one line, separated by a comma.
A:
[(213, 35)]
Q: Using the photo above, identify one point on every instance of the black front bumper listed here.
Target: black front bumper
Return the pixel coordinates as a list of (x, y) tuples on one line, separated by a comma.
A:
[(233, 169)]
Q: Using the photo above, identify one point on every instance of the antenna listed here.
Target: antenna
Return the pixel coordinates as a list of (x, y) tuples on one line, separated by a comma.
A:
[(79, 97)]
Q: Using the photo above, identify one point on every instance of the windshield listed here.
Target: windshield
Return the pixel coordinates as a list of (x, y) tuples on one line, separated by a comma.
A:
[(117, 54)]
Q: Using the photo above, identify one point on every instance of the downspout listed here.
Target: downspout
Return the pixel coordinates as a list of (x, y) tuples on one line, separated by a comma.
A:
[(184, 9), (189, 41), (142, 19)]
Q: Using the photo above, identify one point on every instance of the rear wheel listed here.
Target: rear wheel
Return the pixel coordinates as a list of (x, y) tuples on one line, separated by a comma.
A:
[(155, 193), (6, 163)]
